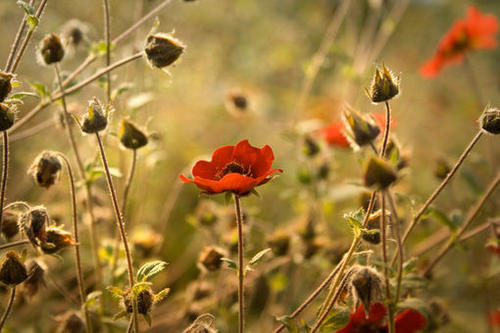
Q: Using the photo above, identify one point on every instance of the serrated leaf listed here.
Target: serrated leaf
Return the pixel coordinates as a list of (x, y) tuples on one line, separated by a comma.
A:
[(150, 269), (161, 295), (355, 220), (230, 263), (258, 257)]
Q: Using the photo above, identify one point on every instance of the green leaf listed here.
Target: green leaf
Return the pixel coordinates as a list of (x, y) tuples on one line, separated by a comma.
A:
[(336, 321), (30, 14), (414, 281), (93, 297), (124, 87), (99, 49), (415, 304), (150, 269), (23, 94), (258, 257), (40, 88), (289, 323), (230, 263), (410, 265), (355, 220), (161, 295), (32, 21), (115, 291), (442, 218)]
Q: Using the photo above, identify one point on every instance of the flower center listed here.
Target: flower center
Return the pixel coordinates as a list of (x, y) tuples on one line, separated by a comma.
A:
[(233, 167)]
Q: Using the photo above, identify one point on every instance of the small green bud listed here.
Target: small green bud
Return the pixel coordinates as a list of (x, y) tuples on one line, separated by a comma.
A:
[(490, 120), (12, 270), (7, 116), (46, 169), (51, 49), (360, 129), (372, 232), (5, 85), (96, 119), (379, 173), (384, 86), (163, 49), (131, 136)]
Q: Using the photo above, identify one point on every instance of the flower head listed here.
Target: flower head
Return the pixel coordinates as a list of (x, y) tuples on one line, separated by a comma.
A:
[(385, 85), (96, 118), (46, 168), (131, 136), (476, 31), (236, 169), (51, 49), (163, 49)]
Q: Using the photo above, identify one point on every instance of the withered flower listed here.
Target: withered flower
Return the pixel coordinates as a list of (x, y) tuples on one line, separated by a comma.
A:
[(46, 169)]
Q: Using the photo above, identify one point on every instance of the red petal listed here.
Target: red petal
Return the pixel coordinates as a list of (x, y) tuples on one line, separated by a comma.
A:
[(185, 179), (204, 169), (432, 67), (377, 312), (264, 161), (334, 135), (245, 154), (237, 183), (409, 321), (222, 156)]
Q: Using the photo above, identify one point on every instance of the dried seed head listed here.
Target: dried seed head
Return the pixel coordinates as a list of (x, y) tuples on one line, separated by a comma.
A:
[(361, 130), (70, 322), (365, 285), (34, 223), (51, 49), (10, 227), (210, 258), (7, 116), (96, 118), (131, 136), (384, 86), (379, 173), (163, 49), (490, 120), (56, 239), (75, 32), (145, 241), (12, 270), (279, 242), (310, 147), (36, 273), (46, 169), (5, 85)]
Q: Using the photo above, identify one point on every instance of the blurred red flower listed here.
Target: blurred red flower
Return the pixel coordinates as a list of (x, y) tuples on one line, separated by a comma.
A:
[(334, 134), (237, 169), (476, 31), (408, 321), (494, 317)]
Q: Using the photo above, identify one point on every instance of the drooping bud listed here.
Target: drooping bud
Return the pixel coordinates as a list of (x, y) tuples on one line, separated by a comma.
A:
[(366, 286), (51, 49), (7, 116), (34, 224), (279, 242), (96, 118), (361, 130), (70, 322), (5, 85), (384, 86), (131, 136), (210, 258), (46, 169), (56, 239), (490, 120), (379, 173), (12, 270), (163, 49), (36, 272), (10, 227)]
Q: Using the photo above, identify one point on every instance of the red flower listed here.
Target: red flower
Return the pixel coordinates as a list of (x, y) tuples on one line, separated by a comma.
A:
[(408, 321), (476, 31), (494, 317), (237, 169)]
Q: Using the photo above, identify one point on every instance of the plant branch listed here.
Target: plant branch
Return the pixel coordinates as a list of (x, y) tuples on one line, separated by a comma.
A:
[(9, 307), (5, 170), (241, 275), (17, 40), (16, 243), (107, 36)]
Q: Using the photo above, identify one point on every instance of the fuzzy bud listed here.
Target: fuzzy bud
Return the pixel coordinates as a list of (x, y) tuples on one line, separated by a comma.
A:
[(51, 49), (379, 173), (360, 129), (131, 136), (10, 227), (490, 120), (237, 102), (56, 239), (75, 31), (384, 86), (310, 147), (279, 242), (46, 168), (5, 85), (210, 258), (7, 116), (372, 232), (366, 285), (145, 300), (163, 49), (96, 119), (70, 322), (12, 270), (36, 273), (34, 223)]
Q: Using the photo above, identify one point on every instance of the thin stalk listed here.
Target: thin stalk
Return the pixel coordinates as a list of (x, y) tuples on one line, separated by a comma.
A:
[(387, 128), (470, 218), (469, 72), (241, 276), (441, 186), (396, 223), (78, 262), (5, 169), (17, 40), (107, 36), (9, 307), (383, 230), (27, 38), (17, 203), (16, 243), (121, 226)]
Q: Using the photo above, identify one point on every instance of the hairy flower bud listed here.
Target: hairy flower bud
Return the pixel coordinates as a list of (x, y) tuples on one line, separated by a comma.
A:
[(75, 31), (56, 239), (379, 173), (372, 232), (12, 270), (365, 285), (96, 118), (490, 120), (5, 85), (34, 223), (279, 242), (361, 130), (46, 168), (70, 322), (210, 258), (131, 136), (163, 49), (145, 300), (384, 86), (36, 273), (10, 227), (51, 49), (7, 116), (442, 169)]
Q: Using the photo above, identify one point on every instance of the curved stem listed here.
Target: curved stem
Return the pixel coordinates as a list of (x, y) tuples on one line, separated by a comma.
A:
[(470, 218), (440, 188), (241, 275), (78, 262), (16, 243), (17, 40), (5, 169), (107, 36), (9, 307), (121, 226), (17, 203)]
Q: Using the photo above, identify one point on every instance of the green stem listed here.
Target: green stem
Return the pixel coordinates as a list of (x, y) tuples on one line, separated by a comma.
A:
[(9, 307), (241, 275), (5, 169)]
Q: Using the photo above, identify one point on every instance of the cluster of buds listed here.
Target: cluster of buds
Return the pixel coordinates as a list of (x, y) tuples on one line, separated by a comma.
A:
[(51, 49), (12, 269), (385, 86), (142, 294), (361, 130), (131, 136), (490, 120), (210, 258), (163, 49), (46, 169)]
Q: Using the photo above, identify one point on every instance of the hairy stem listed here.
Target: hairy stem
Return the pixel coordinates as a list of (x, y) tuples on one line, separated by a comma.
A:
[(16, 243), (387, 128), (383, 230), (17, 40), (121, 227), (107, 37), (9, 307), (396, 223), (5, 169), (241, 276)]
